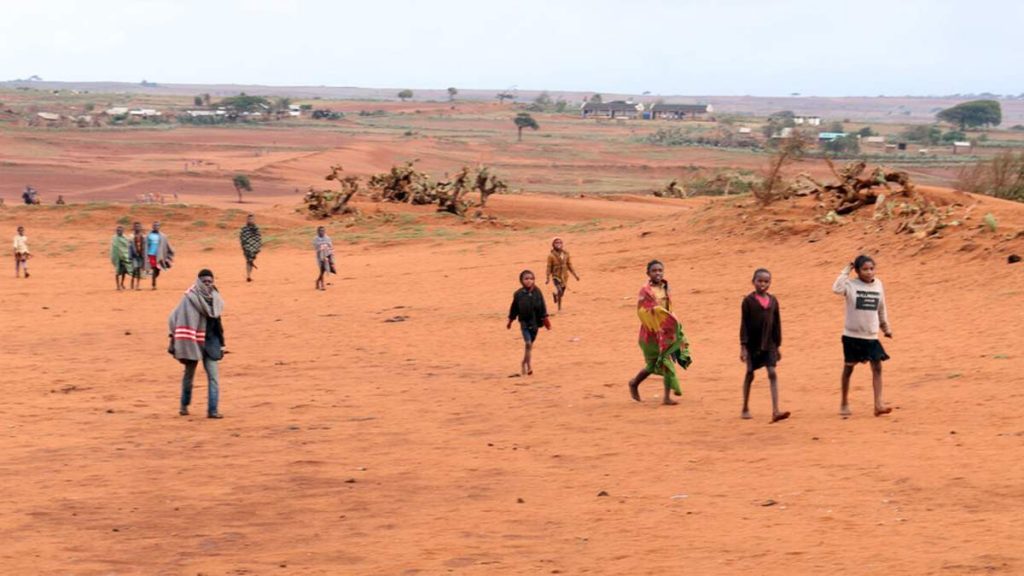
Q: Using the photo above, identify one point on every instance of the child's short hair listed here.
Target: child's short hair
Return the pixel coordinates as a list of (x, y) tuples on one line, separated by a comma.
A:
[(861, 261), (654, 263), (761, 271), (524, 273)]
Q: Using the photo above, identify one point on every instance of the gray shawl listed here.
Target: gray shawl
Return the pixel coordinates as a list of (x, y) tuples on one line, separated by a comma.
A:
[(164, 254), (324, 248), (187, 323)]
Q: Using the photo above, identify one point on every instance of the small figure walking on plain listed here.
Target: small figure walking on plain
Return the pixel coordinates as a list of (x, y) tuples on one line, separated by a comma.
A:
[(138, 252), (196, 334), (324, 256), (159, 254), (252, 243), (866, 313), (559, 268), (661, 335), (121, 257), (760, 339), (21, 252), (528, 307)]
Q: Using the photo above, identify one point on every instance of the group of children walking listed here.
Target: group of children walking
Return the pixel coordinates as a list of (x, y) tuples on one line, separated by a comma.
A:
[(142, 254), (528, 303), (664, 344), (661, 337)]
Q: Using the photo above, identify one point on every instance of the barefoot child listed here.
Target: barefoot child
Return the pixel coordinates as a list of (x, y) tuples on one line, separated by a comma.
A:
[(138, 253), (661, 335), (159, 254), (21, 253), (120, 256), (760, 339), (865, 315), (324, 256), (252, 243), (528, 307), (559, 268)]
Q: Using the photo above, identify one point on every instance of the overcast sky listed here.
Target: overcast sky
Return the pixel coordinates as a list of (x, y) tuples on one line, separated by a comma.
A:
[(722, 47)]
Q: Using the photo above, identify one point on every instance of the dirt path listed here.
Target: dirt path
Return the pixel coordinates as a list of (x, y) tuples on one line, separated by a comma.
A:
[(358, 446)]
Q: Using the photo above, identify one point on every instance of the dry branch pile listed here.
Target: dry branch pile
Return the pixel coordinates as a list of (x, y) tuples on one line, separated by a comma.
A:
[(326, 203), (671, 190), (487, 184), (890, 191), (403, 184), (406, 184)]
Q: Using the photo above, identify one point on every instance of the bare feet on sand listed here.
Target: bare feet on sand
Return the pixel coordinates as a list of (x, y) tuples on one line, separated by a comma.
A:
[(881, 411), (844, 410), (634, 390), (779, 416), (746, 415)]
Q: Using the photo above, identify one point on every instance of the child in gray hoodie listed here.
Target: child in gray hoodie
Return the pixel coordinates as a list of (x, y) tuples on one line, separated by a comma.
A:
[(866, 314)]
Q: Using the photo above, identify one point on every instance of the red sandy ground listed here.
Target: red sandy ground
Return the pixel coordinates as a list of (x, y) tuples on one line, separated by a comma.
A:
[(356, 446)]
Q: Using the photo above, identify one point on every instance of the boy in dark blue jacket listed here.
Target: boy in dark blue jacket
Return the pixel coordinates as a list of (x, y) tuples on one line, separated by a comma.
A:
[(528, 307)]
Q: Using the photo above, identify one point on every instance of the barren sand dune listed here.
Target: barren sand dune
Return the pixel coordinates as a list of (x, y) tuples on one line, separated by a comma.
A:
[(354, 445)]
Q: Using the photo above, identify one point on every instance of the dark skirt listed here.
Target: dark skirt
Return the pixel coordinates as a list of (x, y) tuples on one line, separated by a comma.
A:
[(757, 359), (858, 350)]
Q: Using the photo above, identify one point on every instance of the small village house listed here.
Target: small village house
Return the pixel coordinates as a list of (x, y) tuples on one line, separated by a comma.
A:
[(962, 147), (678, 111), (830, 136), (615, 109), (808, 120)]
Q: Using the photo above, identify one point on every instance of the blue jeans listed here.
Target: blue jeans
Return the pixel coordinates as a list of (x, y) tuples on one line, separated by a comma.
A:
[(212, 384)]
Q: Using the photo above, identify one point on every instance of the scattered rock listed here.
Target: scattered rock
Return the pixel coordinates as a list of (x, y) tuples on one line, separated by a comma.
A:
[(127, 332), (1012, 259), (769, 502), (110, 410), (520, 501), (602, 493), (350, 481), (394, 319), (680, 497)]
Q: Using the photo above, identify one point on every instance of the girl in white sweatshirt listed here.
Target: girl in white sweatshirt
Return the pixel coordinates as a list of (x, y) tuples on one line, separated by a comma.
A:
[(866, 314)]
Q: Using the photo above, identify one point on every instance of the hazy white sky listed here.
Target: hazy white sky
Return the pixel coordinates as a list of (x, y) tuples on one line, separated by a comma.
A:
[(757, 47)]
